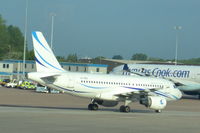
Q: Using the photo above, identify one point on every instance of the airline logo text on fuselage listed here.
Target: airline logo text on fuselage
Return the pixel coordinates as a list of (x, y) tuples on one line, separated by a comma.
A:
[(163, 72)]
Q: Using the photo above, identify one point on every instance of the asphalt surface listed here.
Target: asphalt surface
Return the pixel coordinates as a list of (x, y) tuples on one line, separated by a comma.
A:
[(26, 111)]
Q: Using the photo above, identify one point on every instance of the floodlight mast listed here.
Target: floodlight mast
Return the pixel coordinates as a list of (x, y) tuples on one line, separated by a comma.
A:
[(52, 28), (25, 32), (177, 28)]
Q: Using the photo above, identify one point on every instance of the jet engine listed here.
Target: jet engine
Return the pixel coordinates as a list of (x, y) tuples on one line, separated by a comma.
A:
[(154, 102), (106, 103)]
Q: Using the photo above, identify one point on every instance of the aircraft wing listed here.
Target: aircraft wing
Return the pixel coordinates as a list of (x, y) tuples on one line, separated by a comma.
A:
[(129, 93), (141, 91), (185, 85)]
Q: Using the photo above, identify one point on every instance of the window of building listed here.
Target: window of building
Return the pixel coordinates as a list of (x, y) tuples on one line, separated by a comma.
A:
[(4, 65), (85, 69), (7, 66), (69, 68), (77, 68), (97, 69), (32, 66)]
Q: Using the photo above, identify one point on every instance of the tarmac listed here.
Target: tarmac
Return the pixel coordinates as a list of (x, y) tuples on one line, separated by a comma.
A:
[(26, 111)]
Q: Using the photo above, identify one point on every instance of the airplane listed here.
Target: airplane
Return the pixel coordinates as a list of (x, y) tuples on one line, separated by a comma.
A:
[(186, 78), (103, 89)]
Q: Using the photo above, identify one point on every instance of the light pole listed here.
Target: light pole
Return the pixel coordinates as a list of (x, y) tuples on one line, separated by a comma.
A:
[(25, 31), (177, 28), (52, 26)]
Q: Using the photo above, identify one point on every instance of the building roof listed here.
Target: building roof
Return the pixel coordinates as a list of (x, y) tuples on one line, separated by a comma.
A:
[(62, 63), (17, 61), (86, 65)]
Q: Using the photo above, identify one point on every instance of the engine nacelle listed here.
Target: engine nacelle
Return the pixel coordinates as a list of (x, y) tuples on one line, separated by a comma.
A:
[(106, 103), (154, 102)]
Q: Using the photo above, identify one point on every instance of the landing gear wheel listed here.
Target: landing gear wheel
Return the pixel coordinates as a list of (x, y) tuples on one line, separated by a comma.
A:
[(121, 109), (90, 107), (93, 107), (125, 109), (158, 111)]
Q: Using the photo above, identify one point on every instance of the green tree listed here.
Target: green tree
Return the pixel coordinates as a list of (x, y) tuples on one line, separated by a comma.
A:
[(98, 60), (193, 61), (4, 45), (61, 58), (30, 55), (99, 57), (72, 58), (13, 55), (16, 39), (139, 56), (11, 41), (119, 57)]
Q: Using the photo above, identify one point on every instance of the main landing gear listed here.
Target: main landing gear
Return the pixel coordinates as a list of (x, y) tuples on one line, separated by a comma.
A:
[(93, 106), (125, 108)]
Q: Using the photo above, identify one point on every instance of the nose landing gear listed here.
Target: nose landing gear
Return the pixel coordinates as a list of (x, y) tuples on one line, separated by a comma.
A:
[(93, 105)]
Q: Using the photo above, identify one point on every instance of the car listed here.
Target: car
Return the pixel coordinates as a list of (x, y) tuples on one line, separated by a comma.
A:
[(45, 89), (12, 84), (27, 85), (4, 82), (41, 88)]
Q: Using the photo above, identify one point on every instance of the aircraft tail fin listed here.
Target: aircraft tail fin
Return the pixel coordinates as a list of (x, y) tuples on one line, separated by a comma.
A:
[(126, 68), (44, 56)]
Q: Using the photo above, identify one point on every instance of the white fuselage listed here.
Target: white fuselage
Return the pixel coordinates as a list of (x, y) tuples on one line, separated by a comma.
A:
[(105, 86)]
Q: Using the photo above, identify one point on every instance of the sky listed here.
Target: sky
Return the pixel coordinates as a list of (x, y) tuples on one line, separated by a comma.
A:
[(92, 28)]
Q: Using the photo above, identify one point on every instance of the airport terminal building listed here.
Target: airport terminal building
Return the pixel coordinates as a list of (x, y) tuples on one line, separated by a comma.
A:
[(13, 69)]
